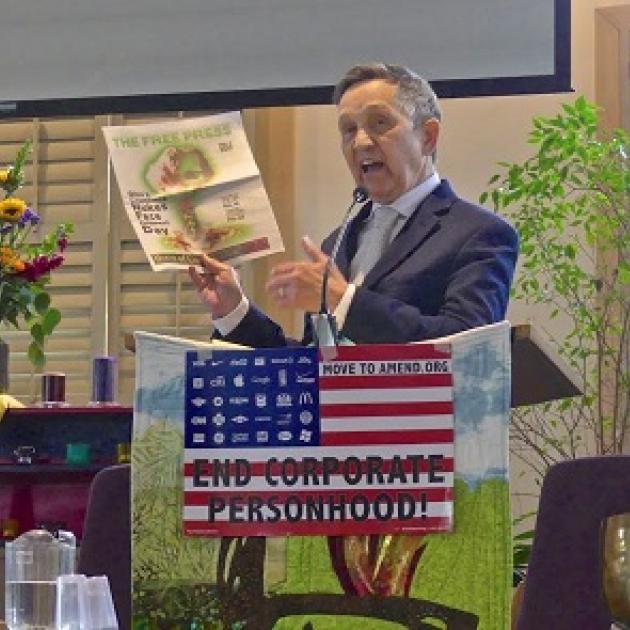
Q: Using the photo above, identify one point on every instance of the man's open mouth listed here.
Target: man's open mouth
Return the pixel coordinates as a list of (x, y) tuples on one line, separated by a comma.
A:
[(368, 166)]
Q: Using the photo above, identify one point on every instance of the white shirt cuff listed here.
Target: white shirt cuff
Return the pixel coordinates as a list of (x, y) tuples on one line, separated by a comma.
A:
[(341, 312), (226, 324)]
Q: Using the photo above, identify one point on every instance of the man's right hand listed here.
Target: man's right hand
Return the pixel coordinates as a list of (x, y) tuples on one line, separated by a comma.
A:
[(218, 286)]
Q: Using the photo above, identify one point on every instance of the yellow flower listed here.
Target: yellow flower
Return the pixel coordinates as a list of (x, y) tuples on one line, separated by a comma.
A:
[(9, 259), (4, 176), (18, 265), (12, 209)]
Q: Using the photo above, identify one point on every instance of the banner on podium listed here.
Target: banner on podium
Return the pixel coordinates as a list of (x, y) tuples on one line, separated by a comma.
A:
[(348, 582), (278, 442)]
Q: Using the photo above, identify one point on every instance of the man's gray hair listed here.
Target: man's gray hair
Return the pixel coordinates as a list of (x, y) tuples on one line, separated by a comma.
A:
[(415, 96)]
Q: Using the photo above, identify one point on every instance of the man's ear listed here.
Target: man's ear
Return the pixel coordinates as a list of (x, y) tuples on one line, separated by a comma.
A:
[(430, 134)]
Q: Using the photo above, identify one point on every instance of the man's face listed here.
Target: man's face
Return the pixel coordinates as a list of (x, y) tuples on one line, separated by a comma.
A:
[(385, 153)]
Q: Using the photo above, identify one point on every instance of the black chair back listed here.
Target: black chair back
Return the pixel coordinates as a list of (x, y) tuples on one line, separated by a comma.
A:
[(106, 545), (563, 587)]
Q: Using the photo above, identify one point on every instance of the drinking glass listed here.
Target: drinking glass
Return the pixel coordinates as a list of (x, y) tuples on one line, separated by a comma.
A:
[(616, 567), (101, 614), (71, 605)]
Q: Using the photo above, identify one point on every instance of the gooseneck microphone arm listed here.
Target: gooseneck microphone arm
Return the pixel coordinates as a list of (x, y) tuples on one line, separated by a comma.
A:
[(359, 195)]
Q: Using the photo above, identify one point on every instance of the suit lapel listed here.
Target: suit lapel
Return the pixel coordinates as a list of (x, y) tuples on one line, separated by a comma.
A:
[(418, 228), (348, 247)]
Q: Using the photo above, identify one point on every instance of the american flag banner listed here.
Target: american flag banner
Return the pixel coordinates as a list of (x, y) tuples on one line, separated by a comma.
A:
[(281, 442)]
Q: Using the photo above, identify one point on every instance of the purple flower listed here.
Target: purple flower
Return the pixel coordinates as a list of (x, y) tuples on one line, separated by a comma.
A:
[(29, 216), (55, 261), (40, 266), (5, 229)]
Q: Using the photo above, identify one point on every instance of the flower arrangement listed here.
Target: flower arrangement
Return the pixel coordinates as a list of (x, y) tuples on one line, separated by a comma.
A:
[(25, 267)]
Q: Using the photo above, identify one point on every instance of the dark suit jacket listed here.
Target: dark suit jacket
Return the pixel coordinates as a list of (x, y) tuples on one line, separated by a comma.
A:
[(449, 269)]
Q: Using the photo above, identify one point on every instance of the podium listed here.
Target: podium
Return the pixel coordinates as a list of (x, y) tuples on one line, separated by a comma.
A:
[(538, 373), (460, 578)]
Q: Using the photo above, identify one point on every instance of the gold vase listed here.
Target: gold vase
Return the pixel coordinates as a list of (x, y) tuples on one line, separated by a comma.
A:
[(616, 567), (4, 367)]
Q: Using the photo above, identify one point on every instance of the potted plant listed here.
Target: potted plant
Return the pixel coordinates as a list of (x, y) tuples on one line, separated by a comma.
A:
[(570, 202), (25, 266)]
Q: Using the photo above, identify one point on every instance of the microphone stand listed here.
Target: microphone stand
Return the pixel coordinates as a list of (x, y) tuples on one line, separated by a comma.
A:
[(324, 324)]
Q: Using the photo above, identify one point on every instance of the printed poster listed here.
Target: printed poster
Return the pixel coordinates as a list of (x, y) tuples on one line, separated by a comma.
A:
[(191, 186), (280, 443)]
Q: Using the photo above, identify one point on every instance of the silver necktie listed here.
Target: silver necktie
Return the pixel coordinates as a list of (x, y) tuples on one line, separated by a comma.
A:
[(376, 236)]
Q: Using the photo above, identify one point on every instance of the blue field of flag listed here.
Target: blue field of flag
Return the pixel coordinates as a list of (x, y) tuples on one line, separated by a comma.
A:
[(252, 398)]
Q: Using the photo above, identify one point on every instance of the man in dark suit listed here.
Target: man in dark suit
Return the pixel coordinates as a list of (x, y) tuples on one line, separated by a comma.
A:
[(417, 262)]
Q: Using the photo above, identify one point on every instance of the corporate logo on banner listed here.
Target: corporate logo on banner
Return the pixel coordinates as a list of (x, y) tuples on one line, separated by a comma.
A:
[(280, 442)]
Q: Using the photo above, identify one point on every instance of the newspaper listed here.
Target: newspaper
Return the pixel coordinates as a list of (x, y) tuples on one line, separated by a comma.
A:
[(191, 186)]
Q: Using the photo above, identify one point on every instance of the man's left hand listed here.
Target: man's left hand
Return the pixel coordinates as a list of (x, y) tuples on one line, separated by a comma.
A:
[(299, 284)]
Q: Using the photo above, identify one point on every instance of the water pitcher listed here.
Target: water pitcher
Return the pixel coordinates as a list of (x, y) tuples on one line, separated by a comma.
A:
[(33, 561)]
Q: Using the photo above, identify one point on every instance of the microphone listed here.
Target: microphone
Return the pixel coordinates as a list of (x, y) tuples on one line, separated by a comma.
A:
[(325, 331)]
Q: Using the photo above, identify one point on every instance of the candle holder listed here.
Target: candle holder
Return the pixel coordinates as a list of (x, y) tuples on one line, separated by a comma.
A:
[(53, 389), (104, 380)]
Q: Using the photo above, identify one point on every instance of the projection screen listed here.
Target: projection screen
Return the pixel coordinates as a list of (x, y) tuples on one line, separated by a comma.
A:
[(75, 57)]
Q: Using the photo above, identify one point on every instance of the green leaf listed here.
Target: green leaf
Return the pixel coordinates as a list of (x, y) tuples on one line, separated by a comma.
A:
[(495, 199), (41, 302), (36, 354), (623, 272), (50, 320), (21, 157), (37, 332)]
